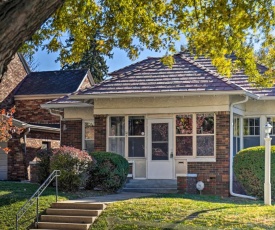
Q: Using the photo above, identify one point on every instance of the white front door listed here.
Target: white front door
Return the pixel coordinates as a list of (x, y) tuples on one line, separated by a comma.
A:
[(160, 149)]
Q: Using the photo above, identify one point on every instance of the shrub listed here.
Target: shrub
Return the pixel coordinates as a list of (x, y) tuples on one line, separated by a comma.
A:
[(73, 164), (249, 170), (109, 171), (44, 164)]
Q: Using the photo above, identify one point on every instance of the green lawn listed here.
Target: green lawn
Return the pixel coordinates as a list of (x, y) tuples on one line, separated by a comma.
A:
[(13, 195), (187, 212)]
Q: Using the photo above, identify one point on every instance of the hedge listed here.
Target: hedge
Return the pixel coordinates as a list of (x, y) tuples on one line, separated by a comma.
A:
[(249, 169), (108, 172)]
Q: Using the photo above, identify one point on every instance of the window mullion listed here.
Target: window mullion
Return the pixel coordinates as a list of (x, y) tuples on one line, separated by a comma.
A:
[(194, 133), (126, 136)]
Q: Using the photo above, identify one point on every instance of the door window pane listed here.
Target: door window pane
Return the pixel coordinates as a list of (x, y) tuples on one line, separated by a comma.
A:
[(160, 132), (160, 141)]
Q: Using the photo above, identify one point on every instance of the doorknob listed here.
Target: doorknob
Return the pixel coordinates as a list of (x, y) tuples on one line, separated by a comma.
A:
[(171, 155)]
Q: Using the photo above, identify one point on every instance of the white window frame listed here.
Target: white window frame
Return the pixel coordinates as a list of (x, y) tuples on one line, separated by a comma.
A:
[(194, 137), (126, 134)]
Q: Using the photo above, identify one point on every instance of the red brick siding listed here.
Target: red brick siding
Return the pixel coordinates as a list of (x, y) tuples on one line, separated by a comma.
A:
[(216, 175), (100, 132), (30, 111), (72, 134), (15, 74)]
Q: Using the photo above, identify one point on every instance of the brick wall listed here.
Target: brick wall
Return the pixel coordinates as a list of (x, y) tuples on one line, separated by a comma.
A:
[(15, 74), (215, 175), (71, 134), (100, 132), (30, 111)]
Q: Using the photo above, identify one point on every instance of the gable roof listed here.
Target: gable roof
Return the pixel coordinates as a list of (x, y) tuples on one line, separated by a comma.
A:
[(52, 82), (151, 76)]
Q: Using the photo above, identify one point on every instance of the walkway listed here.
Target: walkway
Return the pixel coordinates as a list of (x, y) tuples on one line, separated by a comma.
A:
[(113, 197)]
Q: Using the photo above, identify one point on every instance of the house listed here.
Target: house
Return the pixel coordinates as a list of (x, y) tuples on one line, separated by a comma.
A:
[(41, 128), (183, 123)]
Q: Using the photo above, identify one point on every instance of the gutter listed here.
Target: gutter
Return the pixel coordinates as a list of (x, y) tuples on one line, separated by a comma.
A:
[(231, 152)]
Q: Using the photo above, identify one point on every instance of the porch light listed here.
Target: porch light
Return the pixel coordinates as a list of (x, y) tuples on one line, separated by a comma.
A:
[(267, 184), (267, 128)]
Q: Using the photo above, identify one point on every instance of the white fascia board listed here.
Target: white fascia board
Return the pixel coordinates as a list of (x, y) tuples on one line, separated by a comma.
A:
[(59, 106), (129, 95), (252, 95), (267, 98), (42, 128), (38, 96)]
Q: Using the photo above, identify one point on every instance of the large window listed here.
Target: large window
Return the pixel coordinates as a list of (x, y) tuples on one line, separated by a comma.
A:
[(126, 136), (251, 132), (195, 135)]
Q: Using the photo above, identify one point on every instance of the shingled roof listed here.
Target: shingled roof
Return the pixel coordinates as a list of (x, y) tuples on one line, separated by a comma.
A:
[(151, 76), (52, 82)]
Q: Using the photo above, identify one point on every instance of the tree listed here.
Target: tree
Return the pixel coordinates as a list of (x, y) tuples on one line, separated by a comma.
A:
[(212, 28), (92, 59), (19, 20)]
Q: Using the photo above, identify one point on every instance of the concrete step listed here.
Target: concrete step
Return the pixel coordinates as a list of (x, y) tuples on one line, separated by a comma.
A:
[(151, 183), (67, 219), (67, 226), (73, 212), (78, 205)]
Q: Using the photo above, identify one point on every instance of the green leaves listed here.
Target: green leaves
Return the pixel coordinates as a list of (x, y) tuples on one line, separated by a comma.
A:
[(212, 28)]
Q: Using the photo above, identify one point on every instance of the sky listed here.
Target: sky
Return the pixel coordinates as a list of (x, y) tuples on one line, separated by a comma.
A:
[(46, 62)]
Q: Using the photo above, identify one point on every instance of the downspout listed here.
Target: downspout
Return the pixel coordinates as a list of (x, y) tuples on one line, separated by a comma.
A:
[(231, 152), (59, 115), (25, 139)]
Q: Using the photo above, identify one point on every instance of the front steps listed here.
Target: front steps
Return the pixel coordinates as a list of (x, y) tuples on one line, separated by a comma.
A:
[(70, 215), (151, 186)]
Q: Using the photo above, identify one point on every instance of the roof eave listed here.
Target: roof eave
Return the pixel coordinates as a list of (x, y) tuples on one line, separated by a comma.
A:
[(160, 94), (38, 96), (65, 105)]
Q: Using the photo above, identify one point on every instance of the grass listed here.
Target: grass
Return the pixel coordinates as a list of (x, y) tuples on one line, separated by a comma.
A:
[(186, 212), (13, 196)]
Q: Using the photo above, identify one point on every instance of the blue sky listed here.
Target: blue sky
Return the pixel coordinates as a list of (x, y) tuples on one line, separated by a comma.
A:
[(47, 62)]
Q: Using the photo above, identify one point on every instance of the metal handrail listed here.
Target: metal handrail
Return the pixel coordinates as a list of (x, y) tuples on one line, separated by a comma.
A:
[(35, 197)]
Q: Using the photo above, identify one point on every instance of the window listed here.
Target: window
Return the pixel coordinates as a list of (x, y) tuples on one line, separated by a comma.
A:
[(236, 135), (89, 136), (46, 145), (195, 135), (117, 135), (126, 136), (251, 132), (136, 136)]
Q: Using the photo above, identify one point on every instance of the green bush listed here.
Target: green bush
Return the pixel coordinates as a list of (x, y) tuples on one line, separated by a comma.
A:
[(44, 164), (249, 169), (109, 171), (73, 164)]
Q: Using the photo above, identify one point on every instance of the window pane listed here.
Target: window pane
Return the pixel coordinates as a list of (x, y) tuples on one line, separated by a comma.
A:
[(205, 123), (205, 145), (184, 146), (89, 145), (136, 126), (257, 130), (236, 127), (160, 132), (184, 124), (251, 122), (257, 121), (136, 147), (251, 131), (160, 151), (117, 145), (89, 131), (117, 126)]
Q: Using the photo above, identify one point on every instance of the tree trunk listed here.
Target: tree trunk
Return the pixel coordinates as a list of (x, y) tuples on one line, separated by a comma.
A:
[(19, 19)]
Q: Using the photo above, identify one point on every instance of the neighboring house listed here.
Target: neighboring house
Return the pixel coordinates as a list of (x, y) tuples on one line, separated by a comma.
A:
[(170, 123), (41, 127)]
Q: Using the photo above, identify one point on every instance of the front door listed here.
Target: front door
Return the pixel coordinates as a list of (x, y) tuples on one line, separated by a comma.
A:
[(160, 150)]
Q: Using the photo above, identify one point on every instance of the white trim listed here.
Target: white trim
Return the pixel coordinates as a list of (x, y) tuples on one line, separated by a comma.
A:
[(160, 94), (65, 105), (38, 96)]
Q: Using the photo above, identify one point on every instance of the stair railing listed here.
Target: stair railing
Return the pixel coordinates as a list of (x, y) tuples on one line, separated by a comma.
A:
[(35, 197)]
